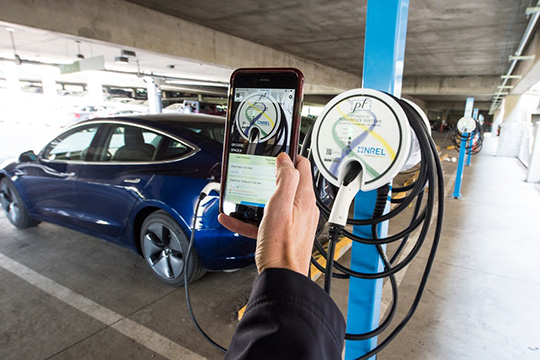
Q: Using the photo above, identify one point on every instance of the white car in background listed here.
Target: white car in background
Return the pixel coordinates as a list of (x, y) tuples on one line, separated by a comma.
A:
[(66, 116), (174, 108)]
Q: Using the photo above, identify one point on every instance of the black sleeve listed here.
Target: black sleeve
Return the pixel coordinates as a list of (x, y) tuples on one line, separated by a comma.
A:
[(288, 317)]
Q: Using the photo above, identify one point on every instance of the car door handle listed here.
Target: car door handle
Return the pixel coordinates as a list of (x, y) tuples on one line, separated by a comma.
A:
[(132, 181), (19, 173)]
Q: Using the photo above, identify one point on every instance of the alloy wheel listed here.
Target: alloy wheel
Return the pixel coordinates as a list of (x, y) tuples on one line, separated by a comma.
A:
[(10, 203), (163, 251)]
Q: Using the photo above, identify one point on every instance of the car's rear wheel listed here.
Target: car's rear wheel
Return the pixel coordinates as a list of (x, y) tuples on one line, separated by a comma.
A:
[(164, 245), (13, 206)]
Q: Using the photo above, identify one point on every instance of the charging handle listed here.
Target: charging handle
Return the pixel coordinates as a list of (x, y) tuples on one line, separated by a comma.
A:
[(211, 186), (350, 185)]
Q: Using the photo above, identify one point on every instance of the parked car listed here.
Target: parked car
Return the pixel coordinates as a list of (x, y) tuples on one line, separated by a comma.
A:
[(133, 181), (200, 107), (67, 116), (174, 108)]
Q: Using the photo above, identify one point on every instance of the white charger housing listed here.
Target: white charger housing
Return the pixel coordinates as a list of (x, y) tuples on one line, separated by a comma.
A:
[(366, 126)]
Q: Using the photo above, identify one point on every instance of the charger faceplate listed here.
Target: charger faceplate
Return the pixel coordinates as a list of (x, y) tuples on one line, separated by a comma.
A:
[(363, 125)]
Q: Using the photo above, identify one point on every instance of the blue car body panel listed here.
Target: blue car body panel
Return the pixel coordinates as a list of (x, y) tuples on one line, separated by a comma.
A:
[(106, 200)]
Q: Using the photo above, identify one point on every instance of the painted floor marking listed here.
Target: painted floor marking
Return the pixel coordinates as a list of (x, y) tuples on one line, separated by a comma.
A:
[(141, 334)]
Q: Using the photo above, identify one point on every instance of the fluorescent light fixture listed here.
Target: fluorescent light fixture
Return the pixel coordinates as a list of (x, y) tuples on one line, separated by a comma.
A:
[(505, 87), (532, 10), (511, 76), (128, 53), (521, 57), (501, 93), (121, 60)]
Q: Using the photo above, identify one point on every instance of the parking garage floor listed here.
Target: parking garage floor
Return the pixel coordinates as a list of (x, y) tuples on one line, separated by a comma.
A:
[(65, 295)]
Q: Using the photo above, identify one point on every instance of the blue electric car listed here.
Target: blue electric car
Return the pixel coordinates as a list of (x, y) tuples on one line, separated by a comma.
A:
[(133, 181)]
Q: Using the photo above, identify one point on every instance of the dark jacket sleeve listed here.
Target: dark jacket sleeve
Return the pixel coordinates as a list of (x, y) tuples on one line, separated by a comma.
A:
[(288, 317)]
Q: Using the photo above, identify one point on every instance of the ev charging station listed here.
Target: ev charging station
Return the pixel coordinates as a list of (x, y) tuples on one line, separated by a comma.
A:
[(384, 54), (362, 139), (467, 135)]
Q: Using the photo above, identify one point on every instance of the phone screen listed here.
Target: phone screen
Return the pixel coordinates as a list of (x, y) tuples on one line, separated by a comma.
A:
[(260, 129)]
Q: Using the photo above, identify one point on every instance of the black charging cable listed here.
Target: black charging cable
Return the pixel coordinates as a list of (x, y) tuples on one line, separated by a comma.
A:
[(186, 282), (477, 136), (430, 181)]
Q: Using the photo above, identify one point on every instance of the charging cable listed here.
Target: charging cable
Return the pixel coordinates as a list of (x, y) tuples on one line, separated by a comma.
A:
[(211, 186), (474, 132), (425, 191)]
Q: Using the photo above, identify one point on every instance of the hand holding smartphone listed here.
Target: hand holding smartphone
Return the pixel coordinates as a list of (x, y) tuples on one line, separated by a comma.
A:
[(263, 121)]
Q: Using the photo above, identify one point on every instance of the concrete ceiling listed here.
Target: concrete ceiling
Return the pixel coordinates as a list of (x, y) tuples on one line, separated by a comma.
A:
[(454, 49), (444, 38)]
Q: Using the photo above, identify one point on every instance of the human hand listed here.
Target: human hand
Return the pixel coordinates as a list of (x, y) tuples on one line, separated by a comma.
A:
[(285, 236)]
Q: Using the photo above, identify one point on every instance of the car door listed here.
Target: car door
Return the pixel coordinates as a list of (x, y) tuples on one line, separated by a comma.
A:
[(50, 182), (113, 183)]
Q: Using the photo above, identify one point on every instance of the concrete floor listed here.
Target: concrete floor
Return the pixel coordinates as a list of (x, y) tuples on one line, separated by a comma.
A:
[(93, 300)]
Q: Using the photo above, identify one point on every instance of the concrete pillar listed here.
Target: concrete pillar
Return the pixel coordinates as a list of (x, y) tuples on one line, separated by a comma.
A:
[(153, 91), (48, 81), (497, 120), (12, 78), (12, 99), (95, 87), (516, 123), (533, 173)]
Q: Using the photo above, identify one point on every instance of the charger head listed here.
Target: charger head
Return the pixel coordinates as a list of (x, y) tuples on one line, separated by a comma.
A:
[(466, 124), (259, 111), (363, 125), (414, 154)]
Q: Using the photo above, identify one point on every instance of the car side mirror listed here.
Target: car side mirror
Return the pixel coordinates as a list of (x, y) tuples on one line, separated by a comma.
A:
[(28, 156)]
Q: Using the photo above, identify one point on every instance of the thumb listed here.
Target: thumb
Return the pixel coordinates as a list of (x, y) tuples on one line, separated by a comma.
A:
[(287, 178)]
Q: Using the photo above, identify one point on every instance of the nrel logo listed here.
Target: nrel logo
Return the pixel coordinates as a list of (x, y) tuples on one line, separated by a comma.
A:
[(377, 151), (263, 122), (364, 104)]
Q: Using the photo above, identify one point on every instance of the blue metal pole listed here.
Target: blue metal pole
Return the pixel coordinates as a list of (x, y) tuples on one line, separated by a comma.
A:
[(384, 52), (461, 161)]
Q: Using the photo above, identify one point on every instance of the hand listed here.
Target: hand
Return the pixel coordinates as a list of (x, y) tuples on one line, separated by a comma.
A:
[(285, 236)]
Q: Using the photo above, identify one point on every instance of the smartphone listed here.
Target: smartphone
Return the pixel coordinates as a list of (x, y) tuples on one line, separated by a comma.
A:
[(263, 120)]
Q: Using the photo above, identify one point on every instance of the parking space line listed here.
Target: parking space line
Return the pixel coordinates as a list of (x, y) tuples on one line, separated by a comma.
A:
[(137, 332)]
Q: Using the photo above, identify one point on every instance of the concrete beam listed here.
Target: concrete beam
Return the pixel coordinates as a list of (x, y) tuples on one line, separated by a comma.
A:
[(456, 105), (450, 85), (528, 69), (127, 24)]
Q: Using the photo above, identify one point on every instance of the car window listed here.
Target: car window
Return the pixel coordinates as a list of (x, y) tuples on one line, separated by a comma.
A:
[(212, 131), (131, 144), (171, 149), (72, 145)]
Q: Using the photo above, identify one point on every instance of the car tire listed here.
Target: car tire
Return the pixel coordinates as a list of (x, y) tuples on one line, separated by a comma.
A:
[(163, 245), (14, 207)]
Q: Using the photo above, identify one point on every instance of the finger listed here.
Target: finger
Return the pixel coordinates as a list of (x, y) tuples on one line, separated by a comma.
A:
[(287, 181), (237, 226), (305, 185)]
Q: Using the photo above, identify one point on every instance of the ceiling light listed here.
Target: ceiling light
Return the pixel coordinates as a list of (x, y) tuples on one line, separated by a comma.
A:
[(532, 10), (79, 55), (522, 57), (505, 87), (510, 76), (128, 53), (121, 60)]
